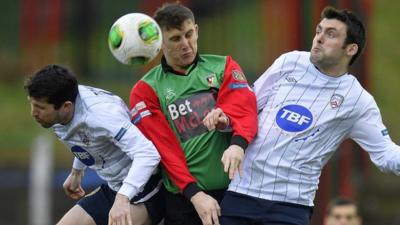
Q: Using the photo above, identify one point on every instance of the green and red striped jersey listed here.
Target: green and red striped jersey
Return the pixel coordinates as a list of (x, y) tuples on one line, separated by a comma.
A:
[(168, 107)]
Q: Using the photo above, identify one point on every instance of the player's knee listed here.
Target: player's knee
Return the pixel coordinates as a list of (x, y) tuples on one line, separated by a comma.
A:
[(76, 215)]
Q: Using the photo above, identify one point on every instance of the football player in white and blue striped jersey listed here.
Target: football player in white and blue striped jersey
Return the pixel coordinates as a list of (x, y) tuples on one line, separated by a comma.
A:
[(308, 104), (95, 125)]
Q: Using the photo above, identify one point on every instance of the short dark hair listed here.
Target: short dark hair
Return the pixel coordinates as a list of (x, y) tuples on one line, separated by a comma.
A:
[(341, 202), (172, 15), (355, 28), (53, 82)]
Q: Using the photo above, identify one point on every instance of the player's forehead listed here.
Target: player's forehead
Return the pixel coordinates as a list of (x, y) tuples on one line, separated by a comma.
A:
[(42, 101), (185, 27), (344, 210), (332, 24)]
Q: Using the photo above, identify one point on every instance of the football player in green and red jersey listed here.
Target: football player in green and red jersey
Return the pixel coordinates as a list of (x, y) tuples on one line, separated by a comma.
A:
[(183, 106)]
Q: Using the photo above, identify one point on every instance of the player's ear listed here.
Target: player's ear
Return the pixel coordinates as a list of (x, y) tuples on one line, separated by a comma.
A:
[(67, 106), (196, 27), (352, 49)]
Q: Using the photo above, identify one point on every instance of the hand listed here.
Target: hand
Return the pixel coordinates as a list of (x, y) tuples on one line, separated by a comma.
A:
[(232, 160), (120, 213), (72, 185), (216, 118), (207, 208)]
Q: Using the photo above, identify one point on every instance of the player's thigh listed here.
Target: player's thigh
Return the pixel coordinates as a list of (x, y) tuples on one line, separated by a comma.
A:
[(76, 216), (140, 215)]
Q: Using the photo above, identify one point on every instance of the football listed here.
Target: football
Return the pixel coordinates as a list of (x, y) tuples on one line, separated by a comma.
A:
[(135, 38)]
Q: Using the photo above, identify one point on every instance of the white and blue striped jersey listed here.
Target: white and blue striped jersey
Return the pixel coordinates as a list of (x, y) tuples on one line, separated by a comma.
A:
[(303, 117), (102, 137)]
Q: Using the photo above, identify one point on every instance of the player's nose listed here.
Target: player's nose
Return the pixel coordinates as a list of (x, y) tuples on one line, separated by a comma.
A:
[(34, 112)]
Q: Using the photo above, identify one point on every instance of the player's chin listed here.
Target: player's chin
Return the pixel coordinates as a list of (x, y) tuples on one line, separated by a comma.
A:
[(188, 59), (315, 58)]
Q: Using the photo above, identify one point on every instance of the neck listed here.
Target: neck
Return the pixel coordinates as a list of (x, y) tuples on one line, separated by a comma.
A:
[(179, 69), (333, 71)]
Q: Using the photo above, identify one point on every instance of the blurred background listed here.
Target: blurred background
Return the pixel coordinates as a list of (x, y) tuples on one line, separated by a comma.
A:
[(74, 33)]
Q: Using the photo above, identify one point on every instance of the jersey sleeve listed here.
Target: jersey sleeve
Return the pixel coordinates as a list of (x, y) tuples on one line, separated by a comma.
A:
[(146, 114), (113, 122), (238, 102), (78, 164), (371, 134)]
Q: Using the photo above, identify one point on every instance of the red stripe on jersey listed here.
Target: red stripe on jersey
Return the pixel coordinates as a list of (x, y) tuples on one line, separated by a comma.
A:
[(156, 128), (238, 103)]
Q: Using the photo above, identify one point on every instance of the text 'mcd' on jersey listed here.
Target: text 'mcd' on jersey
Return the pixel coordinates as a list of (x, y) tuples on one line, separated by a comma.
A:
[(82, 155), (294, 118), (188, 113)]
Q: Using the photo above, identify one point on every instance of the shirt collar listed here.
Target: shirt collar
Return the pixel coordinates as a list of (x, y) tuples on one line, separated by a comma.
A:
[(168, 68)]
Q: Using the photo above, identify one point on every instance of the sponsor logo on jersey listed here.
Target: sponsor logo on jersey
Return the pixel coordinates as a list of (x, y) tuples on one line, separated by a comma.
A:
[(294, 118), (82, 155), (169, 94), (385, 132), (187, 114), (238, 86), (336, 101), (291, 79), (238, 75)]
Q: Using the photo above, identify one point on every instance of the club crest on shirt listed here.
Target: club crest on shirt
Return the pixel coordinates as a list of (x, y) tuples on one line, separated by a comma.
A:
[(211, 80), (84, 136), (336, 101), (238, 75)]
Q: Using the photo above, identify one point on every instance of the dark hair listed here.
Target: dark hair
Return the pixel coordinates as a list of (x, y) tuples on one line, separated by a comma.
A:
[(172, 15), (341, 202), (355, 28), (55, 83)]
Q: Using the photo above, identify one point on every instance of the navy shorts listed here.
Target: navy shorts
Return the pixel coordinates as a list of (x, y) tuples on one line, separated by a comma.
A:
[(180, 211), (240, 209), (99, 202)]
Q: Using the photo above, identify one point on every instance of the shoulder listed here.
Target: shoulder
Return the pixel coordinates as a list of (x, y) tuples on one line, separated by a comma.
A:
[(358, 93), (98, 102), (107, 116), (294, 56), (212, 58), (155, 71), (214, 62)]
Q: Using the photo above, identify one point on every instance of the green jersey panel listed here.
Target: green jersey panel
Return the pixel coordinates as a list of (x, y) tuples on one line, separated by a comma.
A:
[(185, 100)]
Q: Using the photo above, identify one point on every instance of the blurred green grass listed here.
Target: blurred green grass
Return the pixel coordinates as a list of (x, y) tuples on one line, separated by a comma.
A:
[(17, 128), (384, 62)]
